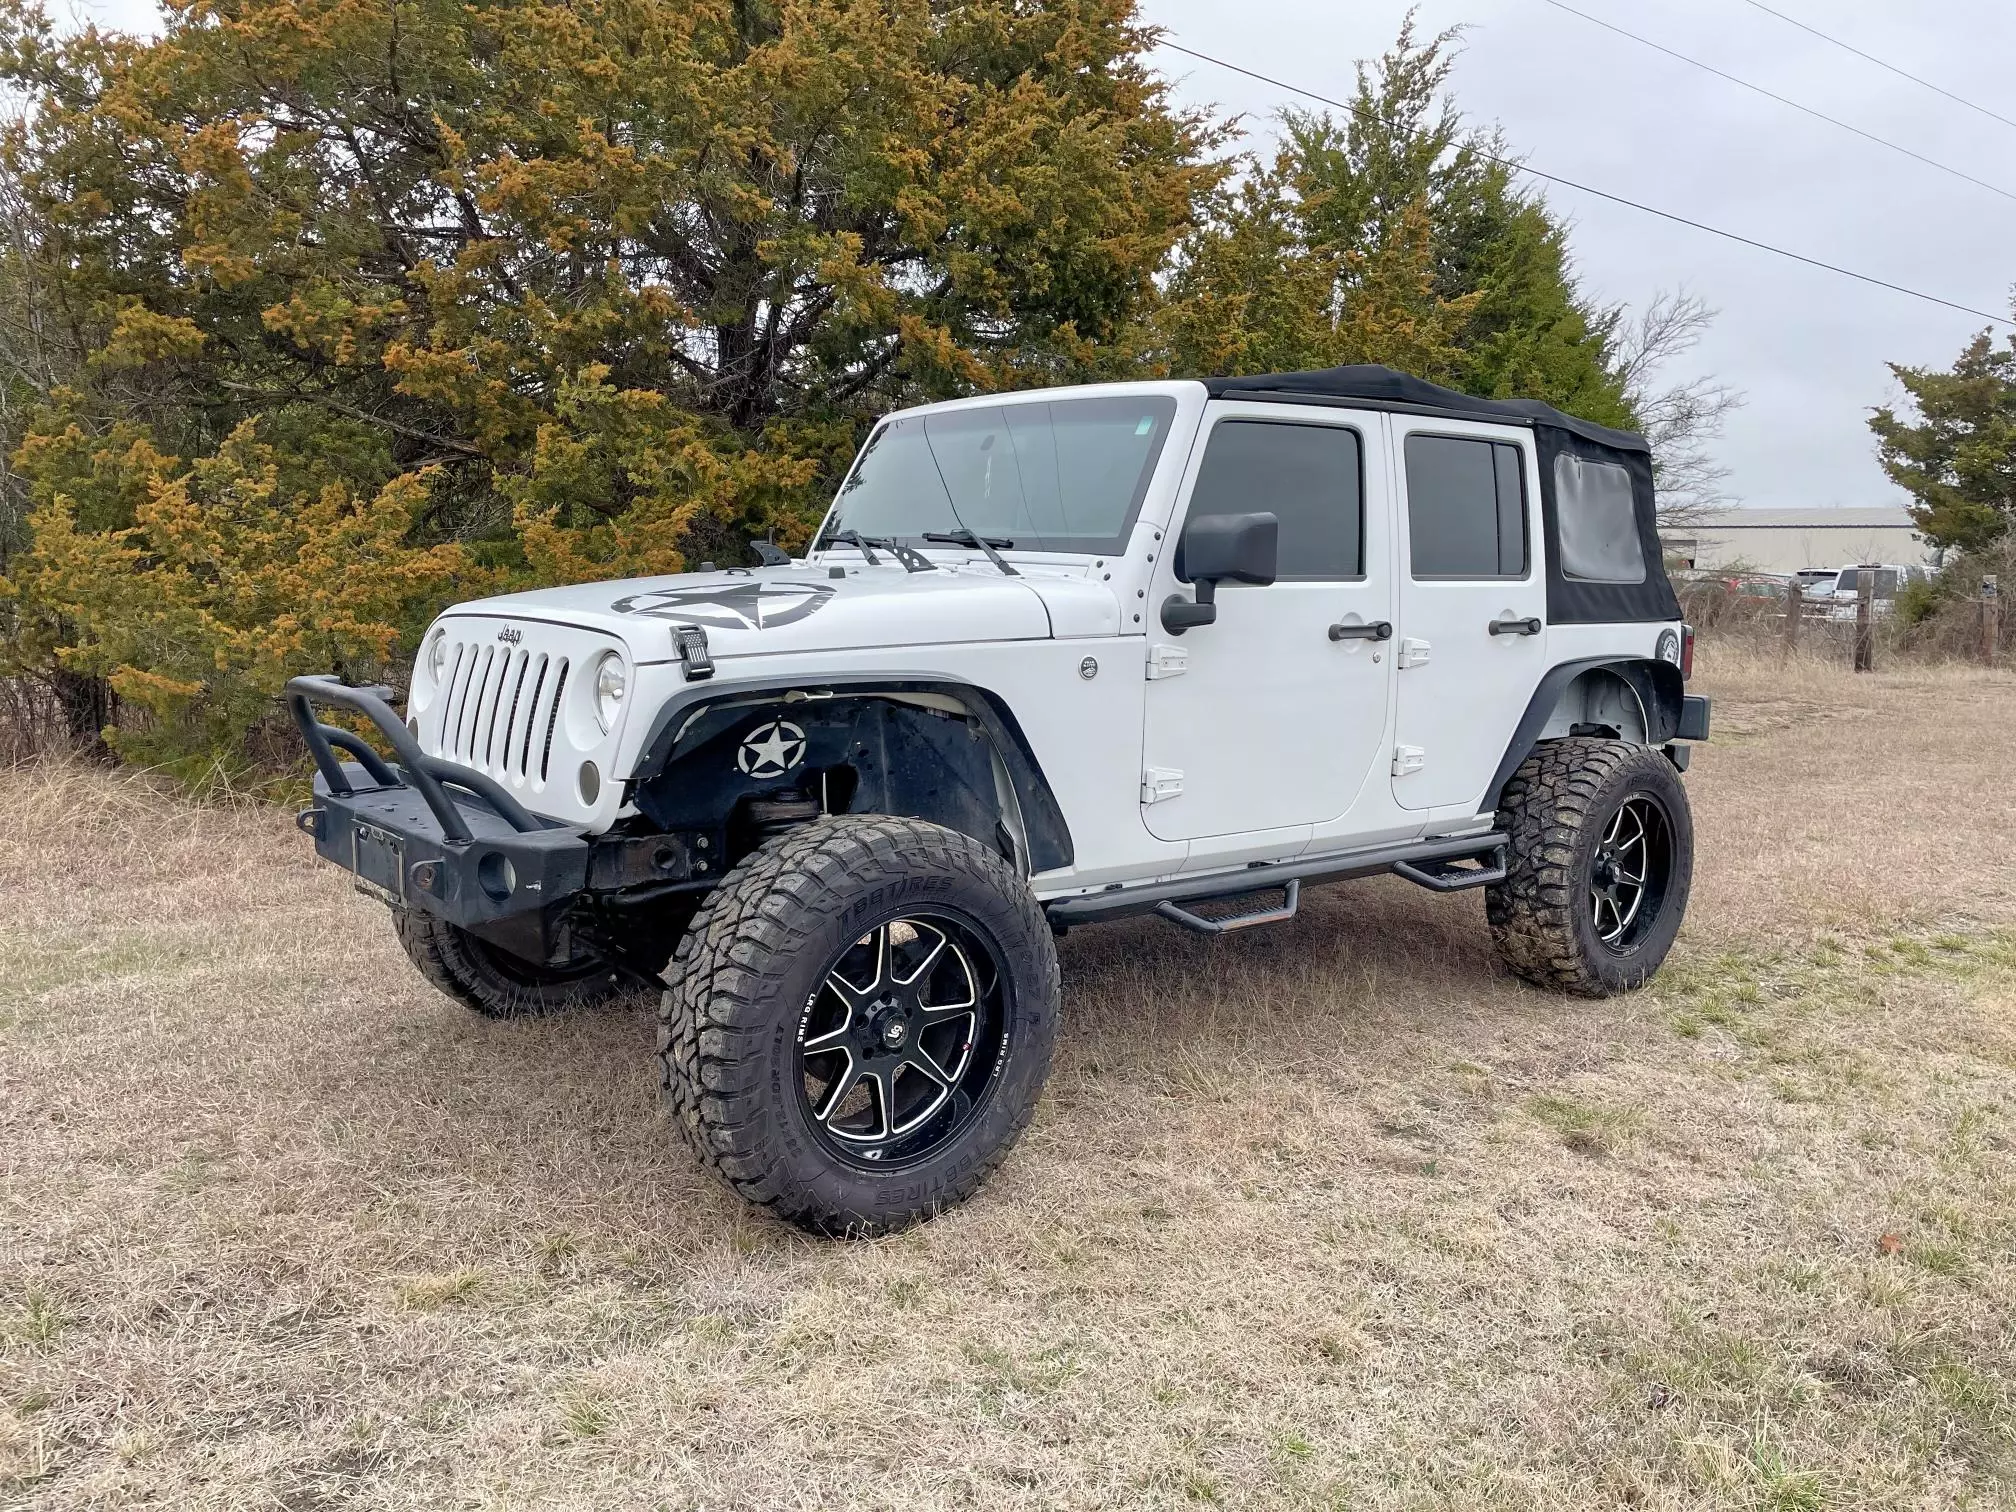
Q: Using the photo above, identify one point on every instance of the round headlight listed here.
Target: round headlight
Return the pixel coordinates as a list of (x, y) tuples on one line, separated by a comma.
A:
[(429, 667), (611, 683)]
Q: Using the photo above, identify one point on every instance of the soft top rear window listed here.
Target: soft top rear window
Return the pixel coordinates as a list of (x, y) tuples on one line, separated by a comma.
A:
[(1064, 475), (1599, 527)]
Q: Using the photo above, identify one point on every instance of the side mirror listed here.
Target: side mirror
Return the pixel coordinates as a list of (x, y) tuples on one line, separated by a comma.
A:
[(1241, 548)]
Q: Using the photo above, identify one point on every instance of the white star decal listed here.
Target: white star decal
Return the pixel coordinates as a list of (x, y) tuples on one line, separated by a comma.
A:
[(771, 750)]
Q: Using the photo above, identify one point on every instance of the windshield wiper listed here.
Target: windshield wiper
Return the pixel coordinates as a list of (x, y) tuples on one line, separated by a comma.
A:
[(864, 544), (912, 559), (965, 537)]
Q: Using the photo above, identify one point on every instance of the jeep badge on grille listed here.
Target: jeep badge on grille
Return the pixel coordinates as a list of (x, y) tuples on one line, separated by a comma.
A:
[(511, 635)]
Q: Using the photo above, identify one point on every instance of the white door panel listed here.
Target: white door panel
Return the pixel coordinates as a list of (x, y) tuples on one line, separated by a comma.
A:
[(1271, 725), (1467, 508), (1261, 724)]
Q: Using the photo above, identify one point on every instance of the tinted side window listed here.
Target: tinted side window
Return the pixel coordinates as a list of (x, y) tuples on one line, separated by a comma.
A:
[(1466, 508), (1307, 476)]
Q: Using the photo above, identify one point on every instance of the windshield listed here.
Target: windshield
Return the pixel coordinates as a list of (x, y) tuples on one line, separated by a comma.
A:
[(1058, 475)]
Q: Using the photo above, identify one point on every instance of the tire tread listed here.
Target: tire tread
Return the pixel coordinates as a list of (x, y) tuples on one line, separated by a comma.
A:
[(712, 1016), (449, 958), (1545, 810)]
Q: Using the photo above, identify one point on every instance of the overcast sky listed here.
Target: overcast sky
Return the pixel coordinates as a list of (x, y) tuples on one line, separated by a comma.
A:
[(1806, 347)]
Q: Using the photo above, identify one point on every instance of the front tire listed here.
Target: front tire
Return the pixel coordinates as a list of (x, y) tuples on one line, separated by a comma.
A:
[(1601, 861), (491, 980), (859, 1022)]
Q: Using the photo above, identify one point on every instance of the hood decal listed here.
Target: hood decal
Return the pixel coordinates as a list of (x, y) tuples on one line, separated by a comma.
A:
[(756, 605)]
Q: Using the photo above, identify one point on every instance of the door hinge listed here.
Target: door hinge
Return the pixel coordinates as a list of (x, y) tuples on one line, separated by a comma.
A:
[(1159, 783), (1408, 759), (1413, 653), (1167, 661)]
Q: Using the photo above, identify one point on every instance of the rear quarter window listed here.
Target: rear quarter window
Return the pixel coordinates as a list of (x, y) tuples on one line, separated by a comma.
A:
[(1598, 521)]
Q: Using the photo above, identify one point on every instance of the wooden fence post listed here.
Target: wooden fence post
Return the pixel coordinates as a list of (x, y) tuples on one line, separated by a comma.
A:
[(1795, 602), (1991, 619), (1865, 620)]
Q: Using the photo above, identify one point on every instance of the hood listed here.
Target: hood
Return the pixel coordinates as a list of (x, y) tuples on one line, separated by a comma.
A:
[(767, 610)]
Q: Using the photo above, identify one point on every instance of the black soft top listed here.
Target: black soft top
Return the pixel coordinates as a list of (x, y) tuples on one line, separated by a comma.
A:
[(1367, 383), (1570, 599)]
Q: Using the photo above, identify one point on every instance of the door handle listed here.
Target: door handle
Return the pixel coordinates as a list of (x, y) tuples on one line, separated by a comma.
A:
[(1378, 630), (1529, 626)]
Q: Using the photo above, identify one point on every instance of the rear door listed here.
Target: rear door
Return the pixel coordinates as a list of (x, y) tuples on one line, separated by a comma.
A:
[(1473, 604)]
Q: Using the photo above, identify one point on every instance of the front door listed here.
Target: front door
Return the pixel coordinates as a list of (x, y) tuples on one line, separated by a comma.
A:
[(1473, 603), (1262, 721)]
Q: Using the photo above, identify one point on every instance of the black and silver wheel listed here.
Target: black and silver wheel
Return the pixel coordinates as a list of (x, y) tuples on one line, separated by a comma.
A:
[(901, 1039), (1630, 872), (1602, 857), (491, 980), (859, 1022)]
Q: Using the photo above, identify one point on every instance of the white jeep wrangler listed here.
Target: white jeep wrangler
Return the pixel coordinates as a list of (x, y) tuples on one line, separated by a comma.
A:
[(1052, 658)]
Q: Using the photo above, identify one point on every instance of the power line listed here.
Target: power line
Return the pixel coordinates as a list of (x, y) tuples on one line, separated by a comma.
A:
[(1615, 199), (1880, 63), (1867, 136)]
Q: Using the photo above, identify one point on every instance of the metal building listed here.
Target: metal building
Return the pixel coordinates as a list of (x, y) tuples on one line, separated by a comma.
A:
[(1787, 540)]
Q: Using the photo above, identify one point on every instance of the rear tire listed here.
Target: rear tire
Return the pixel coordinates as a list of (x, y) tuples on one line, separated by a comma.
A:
[(492, 981), (1601, 861), (859, 1022)]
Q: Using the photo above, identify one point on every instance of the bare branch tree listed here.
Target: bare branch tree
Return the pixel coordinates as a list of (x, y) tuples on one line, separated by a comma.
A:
[(1681, 419)]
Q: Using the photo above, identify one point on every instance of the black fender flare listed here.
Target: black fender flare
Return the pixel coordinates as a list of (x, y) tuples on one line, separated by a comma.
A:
[(1049, 837), (1660, 690)]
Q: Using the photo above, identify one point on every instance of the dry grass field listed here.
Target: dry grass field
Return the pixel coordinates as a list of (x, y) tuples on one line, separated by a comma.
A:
[(1330, 1215)]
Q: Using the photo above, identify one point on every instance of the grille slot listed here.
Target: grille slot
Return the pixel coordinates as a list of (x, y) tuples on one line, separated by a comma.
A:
[(517, 692), (457, 676), (472, 698), (531, 718), (553, 718)]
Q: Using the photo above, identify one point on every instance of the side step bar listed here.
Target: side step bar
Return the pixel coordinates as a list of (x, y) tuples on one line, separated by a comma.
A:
[(1175, 913), (1448, 876), (1427, 863)]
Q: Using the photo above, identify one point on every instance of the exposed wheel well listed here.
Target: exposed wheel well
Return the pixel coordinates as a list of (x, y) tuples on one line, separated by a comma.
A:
[(1636, 699), (947, 753), (1600, 701)]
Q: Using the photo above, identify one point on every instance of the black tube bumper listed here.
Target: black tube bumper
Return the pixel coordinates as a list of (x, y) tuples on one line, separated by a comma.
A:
[(424, 833)]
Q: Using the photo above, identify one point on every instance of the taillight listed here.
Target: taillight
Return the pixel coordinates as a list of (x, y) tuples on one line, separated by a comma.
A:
[(1686, 653)]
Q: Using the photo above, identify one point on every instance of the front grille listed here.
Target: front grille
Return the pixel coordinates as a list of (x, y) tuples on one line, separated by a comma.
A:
[(515, 703), (501, 709)]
